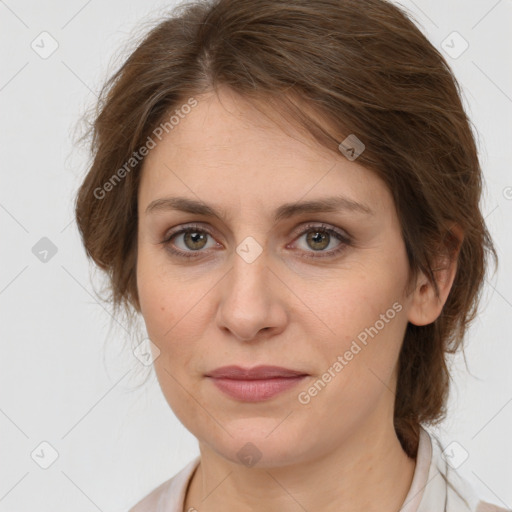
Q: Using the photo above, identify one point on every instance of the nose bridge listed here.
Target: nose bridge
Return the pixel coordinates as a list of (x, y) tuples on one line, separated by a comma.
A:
[(247, 284), (249, 265), (249, 270), (249, 301)]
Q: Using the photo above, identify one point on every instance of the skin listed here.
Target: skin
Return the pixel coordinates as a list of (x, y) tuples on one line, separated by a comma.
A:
[(339, 452)]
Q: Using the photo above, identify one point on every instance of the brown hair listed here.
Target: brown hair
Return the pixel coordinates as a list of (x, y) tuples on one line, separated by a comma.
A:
[(358, 67)]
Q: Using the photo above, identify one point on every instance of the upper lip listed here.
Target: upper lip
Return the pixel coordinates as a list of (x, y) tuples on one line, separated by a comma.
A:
[(257, 372)]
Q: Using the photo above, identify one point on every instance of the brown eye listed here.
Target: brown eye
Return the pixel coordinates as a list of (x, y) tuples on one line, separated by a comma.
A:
[(188, 242), (195, 240), (318, 240)]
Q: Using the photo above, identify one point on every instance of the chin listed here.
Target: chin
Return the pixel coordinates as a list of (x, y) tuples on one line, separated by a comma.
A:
[(256, 442)]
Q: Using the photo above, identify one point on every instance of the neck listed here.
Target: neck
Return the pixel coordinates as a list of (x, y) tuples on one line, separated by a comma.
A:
[(368, 471)]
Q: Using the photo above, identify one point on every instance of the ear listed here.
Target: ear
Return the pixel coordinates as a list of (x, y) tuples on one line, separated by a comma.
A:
[(426, 306)]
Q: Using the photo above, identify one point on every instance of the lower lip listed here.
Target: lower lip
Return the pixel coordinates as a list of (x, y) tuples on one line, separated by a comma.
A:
[(256, 390)]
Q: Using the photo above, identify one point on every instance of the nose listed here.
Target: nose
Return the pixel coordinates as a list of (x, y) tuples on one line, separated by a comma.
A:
[(252, 300)]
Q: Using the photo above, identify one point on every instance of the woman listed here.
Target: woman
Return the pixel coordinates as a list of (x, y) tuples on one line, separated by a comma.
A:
[(288, 193)]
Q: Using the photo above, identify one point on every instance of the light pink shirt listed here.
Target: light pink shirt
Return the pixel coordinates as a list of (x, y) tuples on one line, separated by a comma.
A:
[(435, 487)]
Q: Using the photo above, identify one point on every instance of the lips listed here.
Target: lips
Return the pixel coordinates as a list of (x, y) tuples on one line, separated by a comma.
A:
[(257, 373), (255, 384)]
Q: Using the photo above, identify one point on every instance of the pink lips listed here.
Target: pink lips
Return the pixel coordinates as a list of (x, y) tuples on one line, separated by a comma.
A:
[(254, 384)]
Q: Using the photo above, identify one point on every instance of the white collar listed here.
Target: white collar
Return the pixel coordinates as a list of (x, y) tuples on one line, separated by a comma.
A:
[(436, 486)]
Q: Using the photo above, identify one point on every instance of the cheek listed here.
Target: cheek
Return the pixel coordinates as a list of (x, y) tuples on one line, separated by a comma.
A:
[(159, 299), (174, 307), (367, 321), (168, 314), (153, 301), (352, 303), (164, 311)]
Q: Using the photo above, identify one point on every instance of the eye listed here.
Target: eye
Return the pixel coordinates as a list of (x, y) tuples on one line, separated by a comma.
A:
[(320, 237), (190, 240)]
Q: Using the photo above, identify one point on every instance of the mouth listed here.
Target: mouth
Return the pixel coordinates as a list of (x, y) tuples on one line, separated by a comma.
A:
[(255, 384)]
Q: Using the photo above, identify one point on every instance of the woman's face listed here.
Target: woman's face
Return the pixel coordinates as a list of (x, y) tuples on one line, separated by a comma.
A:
[(319, 291)]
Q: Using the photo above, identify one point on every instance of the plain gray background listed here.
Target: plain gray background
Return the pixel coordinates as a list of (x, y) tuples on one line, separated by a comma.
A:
[(64, 378)]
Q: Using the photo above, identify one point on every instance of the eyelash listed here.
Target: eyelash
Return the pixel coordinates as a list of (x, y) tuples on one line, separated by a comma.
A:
[(345, 241)]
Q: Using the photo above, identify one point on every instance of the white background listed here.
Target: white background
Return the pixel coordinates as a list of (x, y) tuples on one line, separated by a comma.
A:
[(66, 379)]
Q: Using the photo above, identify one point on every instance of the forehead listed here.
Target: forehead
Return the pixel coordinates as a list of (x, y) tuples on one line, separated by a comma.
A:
[(226, 144)]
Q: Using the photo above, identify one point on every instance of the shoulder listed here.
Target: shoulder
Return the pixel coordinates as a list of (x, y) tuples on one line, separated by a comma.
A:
[(169, 495), (458, 494)]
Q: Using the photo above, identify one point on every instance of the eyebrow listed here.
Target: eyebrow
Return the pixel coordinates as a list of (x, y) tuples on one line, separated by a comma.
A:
[(327, 204)]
